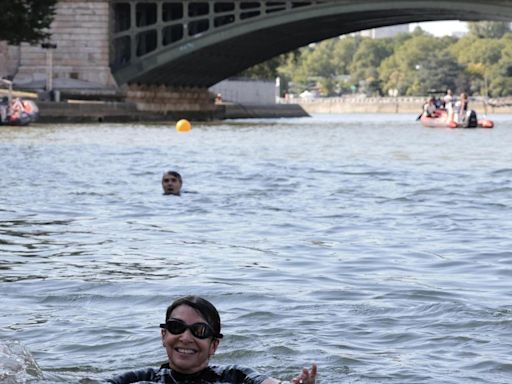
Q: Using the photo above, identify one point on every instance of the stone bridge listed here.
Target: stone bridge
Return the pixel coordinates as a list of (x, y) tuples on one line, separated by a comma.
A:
[(164, 55), (199, 43)]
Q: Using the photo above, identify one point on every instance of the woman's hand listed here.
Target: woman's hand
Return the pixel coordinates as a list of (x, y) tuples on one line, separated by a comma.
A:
[(307, 376)]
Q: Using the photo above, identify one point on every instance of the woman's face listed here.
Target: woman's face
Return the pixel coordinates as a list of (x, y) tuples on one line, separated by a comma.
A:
[(187, 353)]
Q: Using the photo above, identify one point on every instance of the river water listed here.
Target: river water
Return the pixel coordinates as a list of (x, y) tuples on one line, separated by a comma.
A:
[(380, 249)]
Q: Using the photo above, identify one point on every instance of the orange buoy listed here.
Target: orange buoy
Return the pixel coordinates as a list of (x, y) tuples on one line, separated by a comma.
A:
[(183, 125)]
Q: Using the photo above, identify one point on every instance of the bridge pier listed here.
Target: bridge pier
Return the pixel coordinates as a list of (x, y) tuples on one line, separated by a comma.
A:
[(193, 103)]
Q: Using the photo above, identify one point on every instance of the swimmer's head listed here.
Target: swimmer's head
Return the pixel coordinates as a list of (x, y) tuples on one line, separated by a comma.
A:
[(203, 306), (171, 183)]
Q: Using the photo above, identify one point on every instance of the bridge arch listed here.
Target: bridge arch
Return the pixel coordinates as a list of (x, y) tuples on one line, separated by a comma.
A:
[(199, 43)]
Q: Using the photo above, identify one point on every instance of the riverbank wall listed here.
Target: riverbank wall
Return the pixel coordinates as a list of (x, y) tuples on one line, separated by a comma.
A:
[(90, 111), (340, 105), (121, 110), (247, 111)]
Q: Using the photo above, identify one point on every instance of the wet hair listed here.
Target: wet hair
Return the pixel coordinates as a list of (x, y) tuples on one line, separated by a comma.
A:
[(203, 306), (175, 174)]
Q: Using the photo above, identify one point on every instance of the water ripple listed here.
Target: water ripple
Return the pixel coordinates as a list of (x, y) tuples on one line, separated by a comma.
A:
[(381, 251)]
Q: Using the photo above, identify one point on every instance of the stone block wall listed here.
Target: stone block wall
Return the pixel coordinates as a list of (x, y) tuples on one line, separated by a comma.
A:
[(162, 99), (9, 59), (81, 63), (81, 31)]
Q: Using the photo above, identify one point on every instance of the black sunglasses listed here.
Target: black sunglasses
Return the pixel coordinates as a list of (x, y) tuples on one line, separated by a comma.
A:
[(199, 330)]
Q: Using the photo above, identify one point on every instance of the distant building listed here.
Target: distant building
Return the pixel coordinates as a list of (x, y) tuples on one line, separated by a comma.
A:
[(379, 33)]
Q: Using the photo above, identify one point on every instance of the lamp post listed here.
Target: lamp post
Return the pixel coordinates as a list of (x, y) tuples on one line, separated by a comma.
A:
[(49, 64)]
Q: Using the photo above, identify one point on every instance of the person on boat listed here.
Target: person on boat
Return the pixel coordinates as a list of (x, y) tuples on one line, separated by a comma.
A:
[(460, 108), (191, 335), (429, 108), (17, 113), (4, 109), (172, 183), (448, 99)]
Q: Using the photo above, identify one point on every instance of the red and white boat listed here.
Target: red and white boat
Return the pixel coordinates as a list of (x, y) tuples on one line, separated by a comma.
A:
[(15, 110), (441, 119)]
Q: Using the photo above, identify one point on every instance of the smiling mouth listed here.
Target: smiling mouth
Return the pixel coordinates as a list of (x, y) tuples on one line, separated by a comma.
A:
[(186, 351)]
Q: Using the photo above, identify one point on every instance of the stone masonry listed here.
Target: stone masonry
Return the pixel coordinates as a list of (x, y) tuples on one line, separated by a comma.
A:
[(81, 30), (165, 100), (81, 60), (9, 59)]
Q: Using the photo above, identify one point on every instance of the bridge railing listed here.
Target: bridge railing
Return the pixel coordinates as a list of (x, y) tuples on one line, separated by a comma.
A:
[(353, 100)]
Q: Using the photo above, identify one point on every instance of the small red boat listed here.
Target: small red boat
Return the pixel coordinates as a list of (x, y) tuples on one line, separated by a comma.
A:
[(440, 119), (15, 110)]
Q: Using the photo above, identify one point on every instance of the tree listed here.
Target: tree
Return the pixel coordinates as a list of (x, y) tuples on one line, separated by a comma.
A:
[(403, 70), (26, 20), (500, 75), (292, 71), (266, 70), (343, 53), (488, 29), (322, 66), (482, 59), (439, 71), (410, 63), (366, 61)]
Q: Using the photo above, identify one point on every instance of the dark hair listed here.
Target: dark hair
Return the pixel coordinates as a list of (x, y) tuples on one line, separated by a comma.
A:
[(205, 308), (175, 174)]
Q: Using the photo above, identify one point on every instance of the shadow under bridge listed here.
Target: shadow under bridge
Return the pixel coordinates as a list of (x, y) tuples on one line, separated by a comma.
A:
[(199, 43)]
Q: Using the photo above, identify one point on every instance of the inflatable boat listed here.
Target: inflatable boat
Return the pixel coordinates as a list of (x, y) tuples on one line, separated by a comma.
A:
[(440, 119), (16, 110)]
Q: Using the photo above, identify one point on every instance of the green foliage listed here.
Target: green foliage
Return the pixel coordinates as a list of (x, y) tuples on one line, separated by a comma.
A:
[(366, 61), (408, 64), (320, 66), (488, 29), (486, 62), (477, 50), (419, 65), (266, 70), (25, 20)]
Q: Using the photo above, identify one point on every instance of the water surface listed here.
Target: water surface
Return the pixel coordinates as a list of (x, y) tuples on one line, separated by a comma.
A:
[(369, 244)]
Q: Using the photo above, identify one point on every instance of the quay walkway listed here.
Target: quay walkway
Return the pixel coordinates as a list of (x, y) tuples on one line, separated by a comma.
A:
[(89, 111), (119, 110), (350, 104)]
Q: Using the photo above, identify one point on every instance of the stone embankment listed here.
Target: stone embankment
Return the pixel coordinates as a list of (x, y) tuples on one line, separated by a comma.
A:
[(129, 109), (78, 111), (247, 111), (389, 105)]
